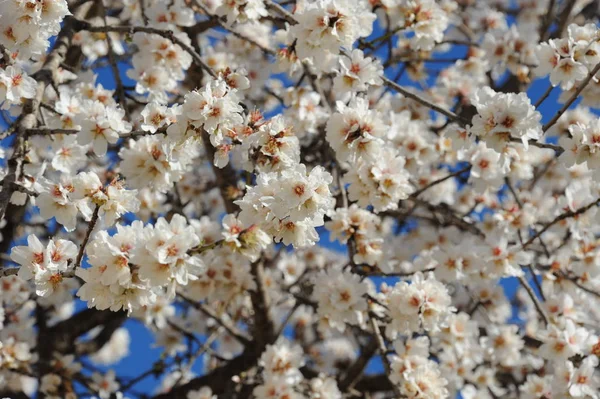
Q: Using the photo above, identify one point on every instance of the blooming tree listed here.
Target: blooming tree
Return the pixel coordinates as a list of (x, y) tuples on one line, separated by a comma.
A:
[(182, 164)]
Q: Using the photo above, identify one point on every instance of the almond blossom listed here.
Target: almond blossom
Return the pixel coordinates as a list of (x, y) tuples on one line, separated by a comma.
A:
[(299, 199)]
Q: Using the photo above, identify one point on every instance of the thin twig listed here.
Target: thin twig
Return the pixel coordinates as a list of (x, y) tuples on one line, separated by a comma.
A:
[(9, 271), (559, 218), (572, 99), (441, 180), (581, 286), (229, 327), (534, 298), (114, 68), (88, 233), (544, 96), (285, 13), (383, 351), (167, 34), (406, 93), (47, 131)]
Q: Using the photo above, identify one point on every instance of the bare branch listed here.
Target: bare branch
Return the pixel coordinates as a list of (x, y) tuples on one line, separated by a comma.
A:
[(167, 34), (572, 99), (406, 93), (559, 218)]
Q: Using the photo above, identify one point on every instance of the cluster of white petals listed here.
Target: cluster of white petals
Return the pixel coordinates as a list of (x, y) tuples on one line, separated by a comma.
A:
[(289, 205), (417, 375), (159, 64), (340, 297), (44, 264), (27, 25), (503, 117), (425, 19), (130, 268), (420, 306), (362, 228), (15, 86), (326, 25), (583, 145), (568, 60)]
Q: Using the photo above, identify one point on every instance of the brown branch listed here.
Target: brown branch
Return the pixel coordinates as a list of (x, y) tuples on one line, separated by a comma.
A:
[(558, 149), (559, 218), (47, 131), (62, 335), (581, 286), (114, 67), (406, 93), (91, 226), (229, 327), (374, 383), (544, 96), (513, 192), (9, 271), (140, 133), (264, 327), (19, 188), (383, 352), (219, 379), (564, 15), (441, 180), (289, 17), (352, 376), (95, 344), (572, 99), (218, 21), (450, 218), (534, 299), (13, 126), (547, 21), (167, 34), (225, 177)]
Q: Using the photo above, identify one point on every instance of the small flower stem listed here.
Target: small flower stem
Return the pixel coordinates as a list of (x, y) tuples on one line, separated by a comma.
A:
[(86, 239)]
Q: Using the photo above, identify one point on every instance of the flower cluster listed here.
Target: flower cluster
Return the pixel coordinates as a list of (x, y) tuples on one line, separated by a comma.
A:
[(425, 19), (214, 109), (289, 205), (420, 306), (568, 60), (502, 117), (281, 363), (101, 125), (355, 131), (156, 162), (85, 192), (27, 25), (273, 148), (181, 164), (340, 295), (509, 50), (356, 73), (241, 10), (326, 25), (159, 64), (96, 45), (417, 375), (130, 268), (15, 85), (382, 183), (44, 264), (362, 228), (583, 145)]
